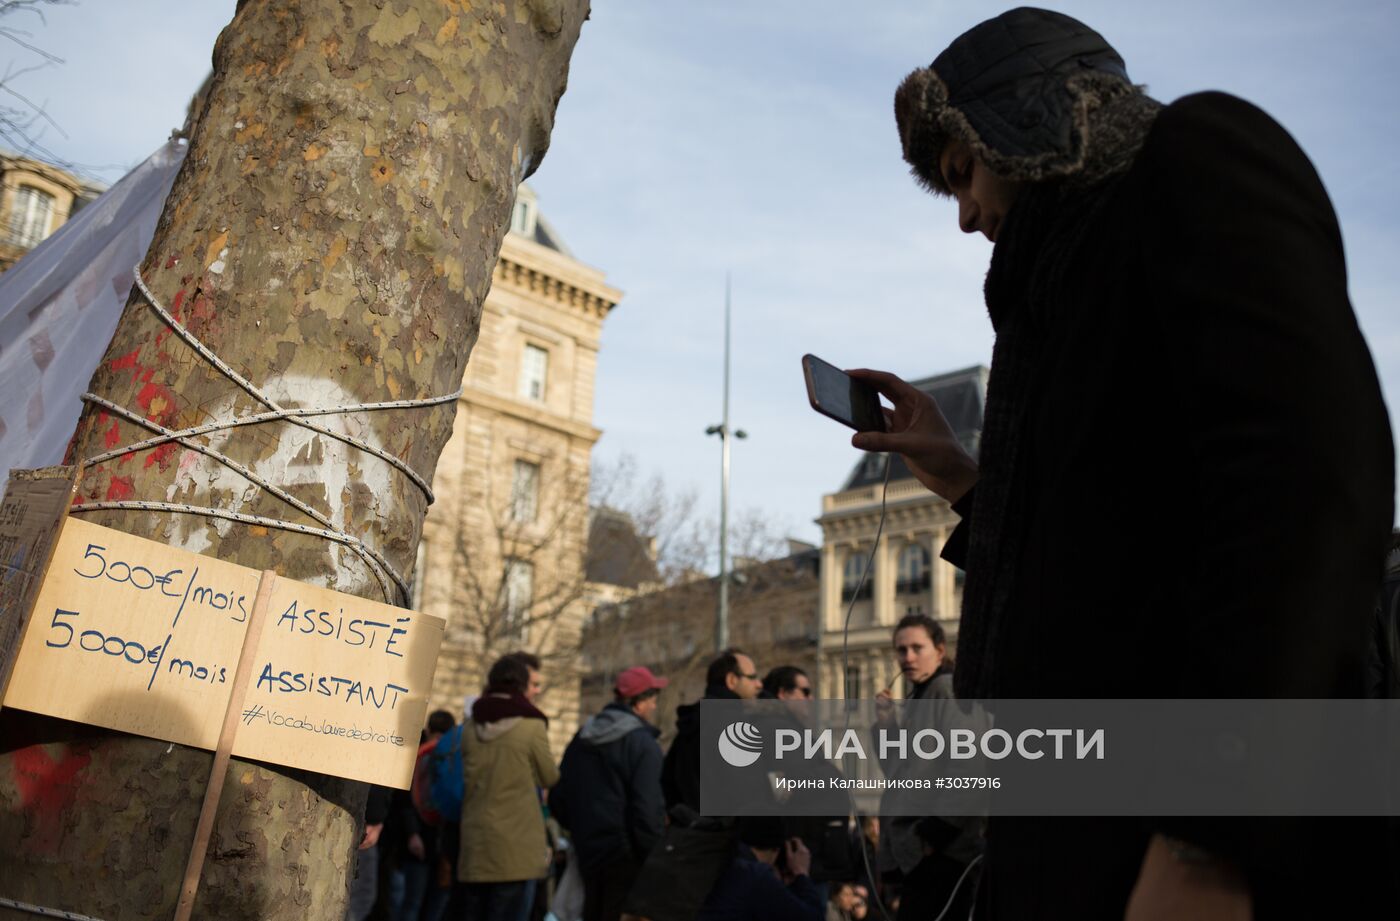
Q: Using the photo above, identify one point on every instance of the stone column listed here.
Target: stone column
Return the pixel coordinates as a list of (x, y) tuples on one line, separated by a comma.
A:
[(879, 669), (830, 591), (882, 597), (941, 580)]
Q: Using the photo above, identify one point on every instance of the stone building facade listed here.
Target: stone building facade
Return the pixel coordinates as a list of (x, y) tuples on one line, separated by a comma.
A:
[(907, 574), (772, 617), (36, 198), (502, 556)]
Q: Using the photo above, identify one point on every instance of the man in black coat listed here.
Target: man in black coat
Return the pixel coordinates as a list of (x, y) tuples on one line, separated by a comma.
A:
[(1186, 460), (609, 793), (826, 837), (730, 676)]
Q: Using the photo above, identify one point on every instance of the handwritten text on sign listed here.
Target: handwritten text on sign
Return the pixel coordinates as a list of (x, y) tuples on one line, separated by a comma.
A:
[(140, 637)]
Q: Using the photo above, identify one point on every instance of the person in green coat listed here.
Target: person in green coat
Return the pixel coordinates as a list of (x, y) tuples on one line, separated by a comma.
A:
[(505, 762)]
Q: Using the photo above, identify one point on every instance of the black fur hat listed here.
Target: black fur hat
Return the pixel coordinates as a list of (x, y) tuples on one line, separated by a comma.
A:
[(1036, 95)]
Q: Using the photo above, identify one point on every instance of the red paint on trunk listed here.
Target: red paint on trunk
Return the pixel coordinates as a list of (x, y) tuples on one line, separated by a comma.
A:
[(127, 362), (120, 489), (162, 411), (203, 309), (113, 436), (161, 455), (47, 788)]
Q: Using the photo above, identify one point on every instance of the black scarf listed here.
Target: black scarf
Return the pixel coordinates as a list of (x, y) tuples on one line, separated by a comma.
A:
[(1029, 302)]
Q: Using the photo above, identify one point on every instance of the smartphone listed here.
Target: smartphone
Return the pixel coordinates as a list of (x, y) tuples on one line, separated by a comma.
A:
[(834, 393)]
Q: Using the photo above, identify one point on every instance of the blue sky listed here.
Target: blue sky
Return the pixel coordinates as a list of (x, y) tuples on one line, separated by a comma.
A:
[(756, 138)]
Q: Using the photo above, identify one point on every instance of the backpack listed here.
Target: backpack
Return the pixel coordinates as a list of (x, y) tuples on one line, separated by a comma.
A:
[(680, 871), (445, 780), (418, 790)]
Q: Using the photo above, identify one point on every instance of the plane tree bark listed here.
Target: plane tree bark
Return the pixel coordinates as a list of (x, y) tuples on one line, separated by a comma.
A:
[(331, 237)]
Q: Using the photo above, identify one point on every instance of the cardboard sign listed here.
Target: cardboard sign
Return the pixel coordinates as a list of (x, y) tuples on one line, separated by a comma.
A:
[(137, 636), (35, 504)]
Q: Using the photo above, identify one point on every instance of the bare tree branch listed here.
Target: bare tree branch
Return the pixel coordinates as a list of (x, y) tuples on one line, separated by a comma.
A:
[(38, 109), (7, 7), (16, 124), (14, 36)]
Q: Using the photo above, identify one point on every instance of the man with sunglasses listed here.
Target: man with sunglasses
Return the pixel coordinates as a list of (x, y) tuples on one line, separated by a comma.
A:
[(787, 682), (826, 837)]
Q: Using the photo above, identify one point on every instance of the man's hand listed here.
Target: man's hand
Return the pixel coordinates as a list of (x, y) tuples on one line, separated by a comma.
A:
[(1172, 889), (796, 858), (415, 846), (371, 837), (918, 432)]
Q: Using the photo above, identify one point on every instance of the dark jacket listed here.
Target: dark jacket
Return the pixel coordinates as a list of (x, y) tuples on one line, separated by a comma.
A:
[(609, 791), (378, 804), (1202, 488), (680, 775), (1383, 658), (1211, 353), (902, 839), (400, 825), (825, 836), (748, 890)]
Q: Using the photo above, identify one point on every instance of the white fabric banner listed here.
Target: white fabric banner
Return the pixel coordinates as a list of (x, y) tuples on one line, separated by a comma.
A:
[(59, 307)]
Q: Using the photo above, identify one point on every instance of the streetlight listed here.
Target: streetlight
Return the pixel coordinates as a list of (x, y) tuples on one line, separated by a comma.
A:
[(724, 433)]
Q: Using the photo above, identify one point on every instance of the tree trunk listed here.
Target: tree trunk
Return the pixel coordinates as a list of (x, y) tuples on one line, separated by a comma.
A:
[(331, 237)]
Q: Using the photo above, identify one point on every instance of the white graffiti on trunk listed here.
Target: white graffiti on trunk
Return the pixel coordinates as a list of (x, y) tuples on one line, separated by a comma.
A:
[(321, 471)]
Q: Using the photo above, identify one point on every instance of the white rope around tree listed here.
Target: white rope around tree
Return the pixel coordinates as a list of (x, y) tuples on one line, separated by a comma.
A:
[(267, 401), (383, 571)]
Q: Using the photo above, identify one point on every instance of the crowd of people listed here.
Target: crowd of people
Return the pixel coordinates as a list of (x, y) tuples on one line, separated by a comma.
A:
[(492, 830)]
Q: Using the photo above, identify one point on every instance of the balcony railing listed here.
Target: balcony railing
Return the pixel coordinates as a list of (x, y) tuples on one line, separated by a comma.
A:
[(849, 591), (870, 495), (912, 586)]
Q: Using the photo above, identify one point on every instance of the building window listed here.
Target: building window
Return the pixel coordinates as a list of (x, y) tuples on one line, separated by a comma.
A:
[(519, 595), (522, 218), (525, 492), (850, 577), (913, 569), (534, 368), (29, 218), (852, 690)]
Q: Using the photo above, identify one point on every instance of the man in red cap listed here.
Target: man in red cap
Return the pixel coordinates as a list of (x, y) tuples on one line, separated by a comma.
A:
[(609, 793)]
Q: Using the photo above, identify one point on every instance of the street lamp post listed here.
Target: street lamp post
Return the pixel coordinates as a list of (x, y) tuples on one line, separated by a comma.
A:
[(724, 433)]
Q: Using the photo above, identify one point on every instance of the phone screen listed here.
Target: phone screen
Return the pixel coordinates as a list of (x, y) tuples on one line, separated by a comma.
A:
[(835, 393)]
